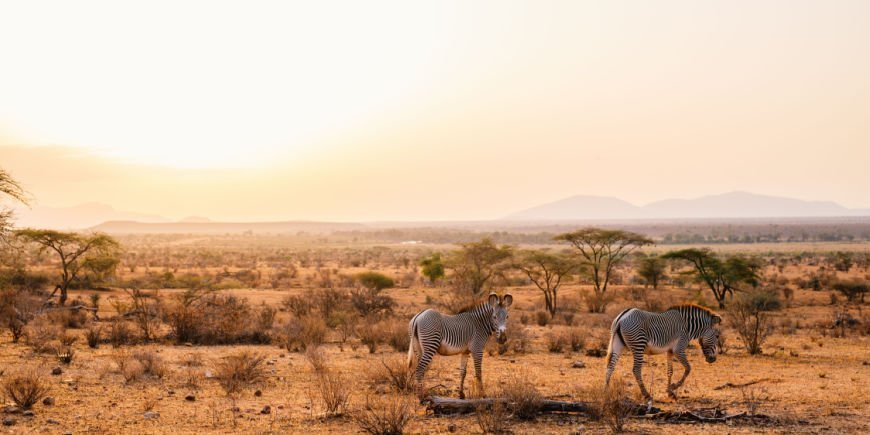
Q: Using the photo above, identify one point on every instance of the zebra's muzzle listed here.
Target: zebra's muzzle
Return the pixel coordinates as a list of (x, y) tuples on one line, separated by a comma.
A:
[(501, 337), (711, 359)]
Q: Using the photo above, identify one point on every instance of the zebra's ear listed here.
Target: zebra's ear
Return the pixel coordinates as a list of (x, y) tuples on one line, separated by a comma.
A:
[(717, 319), (493, 299), (507, 300)]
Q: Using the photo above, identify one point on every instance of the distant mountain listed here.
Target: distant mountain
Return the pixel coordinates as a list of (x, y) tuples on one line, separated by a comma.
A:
[(726, 205), (195, 219), (289, 227), (76, 217)]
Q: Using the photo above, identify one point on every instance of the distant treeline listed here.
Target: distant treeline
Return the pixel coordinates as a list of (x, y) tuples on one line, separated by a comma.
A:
[(663, 233)]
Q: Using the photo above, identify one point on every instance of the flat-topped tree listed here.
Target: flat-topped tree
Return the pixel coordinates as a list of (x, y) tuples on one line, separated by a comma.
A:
[(11, 189), (602, 250), (548, 271), (475, 264), (721, 276), (72, 249)]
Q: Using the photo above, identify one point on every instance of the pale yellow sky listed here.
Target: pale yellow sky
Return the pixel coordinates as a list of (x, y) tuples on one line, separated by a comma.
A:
[(406, 110)]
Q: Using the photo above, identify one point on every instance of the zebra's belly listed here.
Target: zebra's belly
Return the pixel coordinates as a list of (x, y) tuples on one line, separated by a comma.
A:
[(447, 349), (654, 349)]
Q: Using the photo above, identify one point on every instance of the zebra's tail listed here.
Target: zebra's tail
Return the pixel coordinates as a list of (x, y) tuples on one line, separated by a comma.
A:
[(615, 333), (413, 342)]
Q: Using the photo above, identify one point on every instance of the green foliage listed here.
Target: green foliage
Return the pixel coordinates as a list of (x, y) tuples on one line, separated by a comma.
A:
[(547, 271), (432, 267), (374, 280), (721, 276), (652, 270), (475, 264)]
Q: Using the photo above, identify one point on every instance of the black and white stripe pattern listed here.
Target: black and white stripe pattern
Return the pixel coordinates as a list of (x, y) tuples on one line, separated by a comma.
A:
[(652, 333), (465, 333)]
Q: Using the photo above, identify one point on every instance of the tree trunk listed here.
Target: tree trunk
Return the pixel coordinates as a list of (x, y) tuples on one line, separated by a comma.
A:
[(439, 405)]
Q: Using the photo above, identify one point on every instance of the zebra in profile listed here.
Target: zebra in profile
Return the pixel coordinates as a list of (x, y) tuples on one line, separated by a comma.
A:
[(465, 333), (653, 333)]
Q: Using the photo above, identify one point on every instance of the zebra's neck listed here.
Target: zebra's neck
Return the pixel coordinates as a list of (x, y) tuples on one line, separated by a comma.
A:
[(696, 321), (480, 314)]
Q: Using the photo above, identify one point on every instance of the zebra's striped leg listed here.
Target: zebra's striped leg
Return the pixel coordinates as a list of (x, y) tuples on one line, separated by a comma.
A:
[(681, 357), (671, 374), (422, 364), (463, 365), (478, 371), (638, 365)]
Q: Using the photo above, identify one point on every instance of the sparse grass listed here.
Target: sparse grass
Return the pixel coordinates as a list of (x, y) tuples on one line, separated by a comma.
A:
[(334, 392), (523, 398), (493, 420), (393, 372)]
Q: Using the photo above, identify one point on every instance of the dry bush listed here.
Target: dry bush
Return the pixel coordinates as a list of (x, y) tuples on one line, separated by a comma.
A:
[(750, 316), (542, 318), (576, 339), (396, 331), (239, 371), (299, 306), (130, 369), (597, 302), (300, 334), (334, 392), (191, 377), (121, 333), (317, 358), (206, 318), (523, 399), (152, 364), (25, 389), (384, 415), (372, 334), (69, 318), (17, 308), (493, 420), (612, 406), (393, 372), (93, 335), (556, 342), (345, 324), (42, 335), (518, 341)]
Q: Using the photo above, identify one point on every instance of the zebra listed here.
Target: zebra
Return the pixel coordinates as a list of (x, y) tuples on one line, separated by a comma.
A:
[(654, 333), (464, 333)]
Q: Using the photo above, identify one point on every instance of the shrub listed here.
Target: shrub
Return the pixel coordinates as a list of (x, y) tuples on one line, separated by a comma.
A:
[(299, 306), (242, 370), (43, 335), (597, 302), (93, 335), (25, 389), (334, 392), (576, 339), (555, 342), (853, 290), (396, 332), (493, 420), (152, 364), (613, 405), (317, 358), (371, 335), (300, 334), (205, 318), (120, 333), (17, 308), (749, 314), (523, 399), (542, 318), (393, 372), (384, 415)]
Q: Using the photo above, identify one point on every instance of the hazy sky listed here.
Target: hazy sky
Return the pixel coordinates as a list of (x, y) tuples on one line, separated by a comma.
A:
[(435, 110)]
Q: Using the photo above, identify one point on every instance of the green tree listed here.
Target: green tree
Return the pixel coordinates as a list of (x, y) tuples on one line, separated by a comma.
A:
[(374, 280), (721, 276), (72, 250), (652, 270), (547, 271), (432, 267), (602, 250), (475, 264)]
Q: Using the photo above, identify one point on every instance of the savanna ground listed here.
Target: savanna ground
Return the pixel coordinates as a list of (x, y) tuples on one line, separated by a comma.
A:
[(811, 377)]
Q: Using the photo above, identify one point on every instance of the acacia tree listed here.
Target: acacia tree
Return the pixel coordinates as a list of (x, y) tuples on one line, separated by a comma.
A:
[(11, 189), (602, 250), (432, 267), (476, 263), (652, 270), (722, 277), (547, 271), (72, 249)]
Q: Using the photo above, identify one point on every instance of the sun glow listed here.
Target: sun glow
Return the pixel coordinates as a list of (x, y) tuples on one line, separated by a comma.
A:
[(188, 84)]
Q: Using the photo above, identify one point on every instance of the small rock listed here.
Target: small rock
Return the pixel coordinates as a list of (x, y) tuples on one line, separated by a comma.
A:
[(51, 421), (27, 413), (578, 365), (258, 393), (48, 401), (266, 410), (151, 415), (8, 421), (56, 371), (236, 409), (208, 374), (190, 398), (68, 381), (451, 428), (188, 344), (271, 362), (170, 392), (11, 409), (867, 363)]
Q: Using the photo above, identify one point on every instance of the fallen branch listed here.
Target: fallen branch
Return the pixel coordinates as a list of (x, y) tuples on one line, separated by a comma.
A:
[(439, 405), (718, 416), (731, 385)]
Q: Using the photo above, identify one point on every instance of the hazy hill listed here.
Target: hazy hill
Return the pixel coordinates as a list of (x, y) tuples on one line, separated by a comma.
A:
[(76, 217), (727, 205)]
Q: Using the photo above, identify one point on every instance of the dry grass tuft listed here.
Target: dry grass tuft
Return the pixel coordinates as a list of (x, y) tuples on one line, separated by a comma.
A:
[(25, 389), (523, 398), (384, 415), (493, 420), (242, 370), (393, 372), (334, 392)]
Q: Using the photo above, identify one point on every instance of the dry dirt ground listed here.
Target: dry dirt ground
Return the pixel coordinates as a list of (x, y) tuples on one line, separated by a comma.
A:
[(809, 381)]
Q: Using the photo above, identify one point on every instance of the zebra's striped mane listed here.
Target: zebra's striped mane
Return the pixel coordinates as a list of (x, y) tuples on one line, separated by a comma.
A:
[(683, 307)]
